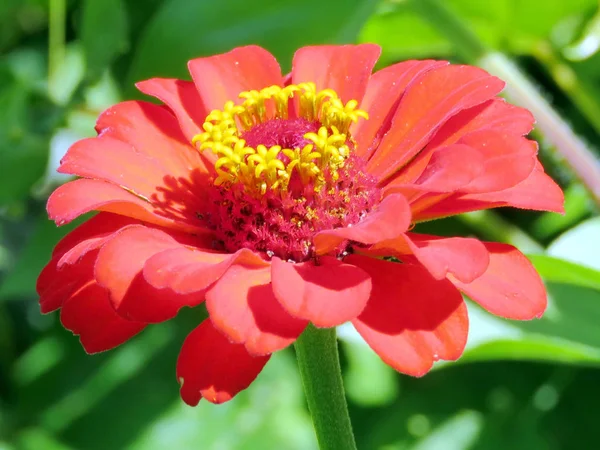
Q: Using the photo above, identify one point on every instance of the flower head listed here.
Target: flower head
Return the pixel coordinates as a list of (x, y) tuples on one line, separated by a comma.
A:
[(275, 200)]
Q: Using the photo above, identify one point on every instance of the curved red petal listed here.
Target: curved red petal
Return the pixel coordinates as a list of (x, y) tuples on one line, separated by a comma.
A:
[(100, 226), (154, 132), (381, 98), (448, 170), (221, 78), (112, 160), (119, 270), (508, 160), (242, 306), (55, 286), (88, 313), (411, 319), (390, 219), (71, 267), (510, 287), (537, 192), (211, 367), (495, 114), (186, 270), (465, 258), (429, 101), (81, 196), (344, 68), (182, 98), (327, 294)]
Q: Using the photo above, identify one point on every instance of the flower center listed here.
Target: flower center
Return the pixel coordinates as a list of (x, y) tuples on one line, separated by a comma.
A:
[(283, 175)]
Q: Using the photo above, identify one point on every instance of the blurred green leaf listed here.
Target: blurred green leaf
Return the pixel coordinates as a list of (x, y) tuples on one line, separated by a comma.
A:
[(368, 381), (22, 153), (182, 30), (580, 244), (566, 333), (103, 34), (500, 24), (560, 271), (33, 258)]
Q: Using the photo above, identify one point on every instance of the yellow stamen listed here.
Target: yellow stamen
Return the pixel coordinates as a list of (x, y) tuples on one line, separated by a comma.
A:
[(260, 169)]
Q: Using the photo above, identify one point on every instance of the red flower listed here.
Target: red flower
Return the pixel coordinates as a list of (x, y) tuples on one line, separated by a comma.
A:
[(275, 209)]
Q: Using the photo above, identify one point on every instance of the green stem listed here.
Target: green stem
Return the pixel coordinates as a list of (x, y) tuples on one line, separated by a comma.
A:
[(56, 43), (318, 360), (519, 90)]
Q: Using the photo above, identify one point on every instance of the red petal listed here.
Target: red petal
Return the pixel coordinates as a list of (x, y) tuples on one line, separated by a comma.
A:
[(389, 220), (187, 270), (210, 366), (448, 169), (99, 226), (384, 90), (508, 160), (242, 305), (119, 270), (153, 131), (428, 103), (182, 98), (55, 286), (411, 319), (78, 197), (88, 314), (346, 69), (538, 192), (328, 294), (109, 159), (71, 267), (510, 287), (494, 114), (221, 78), (465, 258)]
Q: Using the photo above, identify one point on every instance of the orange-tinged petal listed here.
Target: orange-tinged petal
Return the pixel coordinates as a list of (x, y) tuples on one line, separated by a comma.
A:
[(81, 196), (510, 287), (383, 93), (187, 270), (448, 170), (344, 68), (494, 114), (537, 192), (327, 294), (465, 258), (88, 314), (507, 160), (112, 160), (154, 131), (242, 306), (390, 219), (119, 270), (429, 101), (182, 98), (211, 367), (411, 319), (222, 78)]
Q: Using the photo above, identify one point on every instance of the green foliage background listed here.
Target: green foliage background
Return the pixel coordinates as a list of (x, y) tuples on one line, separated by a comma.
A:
[(530, 385)]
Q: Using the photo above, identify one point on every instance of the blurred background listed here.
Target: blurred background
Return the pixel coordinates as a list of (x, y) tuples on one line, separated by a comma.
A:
[(528, 385)]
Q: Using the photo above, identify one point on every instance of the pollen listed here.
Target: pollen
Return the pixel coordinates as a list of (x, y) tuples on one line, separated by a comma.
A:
[(280, 139)]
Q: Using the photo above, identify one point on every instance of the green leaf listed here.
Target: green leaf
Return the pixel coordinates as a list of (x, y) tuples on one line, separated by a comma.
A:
[(35, 255), (182, 30), (567, 332), (103, 34), (560, 271)]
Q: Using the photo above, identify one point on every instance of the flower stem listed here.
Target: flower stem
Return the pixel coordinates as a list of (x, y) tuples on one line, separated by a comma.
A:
[(318, 360), (56, 43)]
